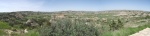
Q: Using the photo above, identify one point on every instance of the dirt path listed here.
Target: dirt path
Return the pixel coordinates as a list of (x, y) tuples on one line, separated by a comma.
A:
[(144, 32)]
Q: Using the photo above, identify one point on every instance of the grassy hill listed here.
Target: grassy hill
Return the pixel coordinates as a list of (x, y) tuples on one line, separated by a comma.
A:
[(99, 23)]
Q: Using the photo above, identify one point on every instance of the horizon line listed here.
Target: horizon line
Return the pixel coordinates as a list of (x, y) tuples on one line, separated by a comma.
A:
[(76, 10)]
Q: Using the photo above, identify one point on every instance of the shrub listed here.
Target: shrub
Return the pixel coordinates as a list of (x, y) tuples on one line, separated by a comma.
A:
[(66, 28), (116, 26), (4, 25), (120, 24), (113, 25)]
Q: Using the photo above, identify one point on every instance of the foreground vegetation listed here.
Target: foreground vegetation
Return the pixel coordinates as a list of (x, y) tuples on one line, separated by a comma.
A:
[(125, 31), (65, 27)]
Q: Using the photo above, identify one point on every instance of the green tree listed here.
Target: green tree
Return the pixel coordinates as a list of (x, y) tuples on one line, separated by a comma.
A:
[(112, 25), (120, 24), (115, 26)]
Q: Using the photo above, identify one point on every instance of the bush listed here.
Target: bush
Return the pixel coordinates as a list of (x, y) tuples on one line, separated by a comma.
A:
[(115, 26), (4, 25), (66, 28)]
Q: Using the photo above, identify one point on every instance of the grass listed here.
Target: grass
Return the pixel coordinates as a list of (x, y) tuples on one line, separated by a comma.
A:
[(125, 31), (32, 33), (2, 33), (4, 25)]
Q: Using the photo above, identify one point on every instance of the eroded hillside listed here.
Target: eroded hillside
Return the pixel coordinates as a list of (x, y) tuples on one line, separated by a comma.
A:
[(34, 23)]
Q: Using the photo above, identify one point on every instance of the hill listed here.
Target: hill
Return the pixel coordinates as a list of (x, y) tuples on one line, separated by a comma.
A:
[(108, 23)]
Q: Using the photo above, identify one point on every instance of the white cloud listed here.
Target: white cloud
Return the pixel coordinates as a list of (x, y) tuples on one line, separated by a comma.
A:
[(20, 5)]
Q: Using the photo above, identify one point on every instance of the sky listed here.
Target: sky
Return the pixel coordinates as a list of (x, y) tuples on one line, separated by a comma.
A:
[(75, 5)]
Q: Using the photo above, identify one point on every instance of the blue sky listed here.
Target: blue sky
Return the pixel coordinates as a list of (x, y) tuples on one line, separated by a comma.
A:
[(77, 5)]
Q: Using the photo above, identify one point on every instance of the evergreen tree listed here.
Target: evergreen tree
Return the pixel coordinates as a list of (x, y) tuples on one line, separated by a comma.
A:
[(113, 25), (120, 24)]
